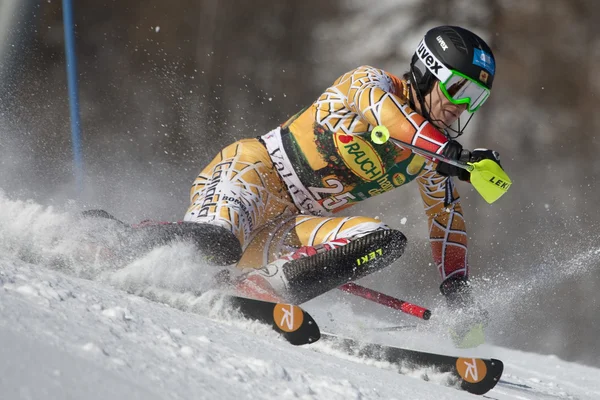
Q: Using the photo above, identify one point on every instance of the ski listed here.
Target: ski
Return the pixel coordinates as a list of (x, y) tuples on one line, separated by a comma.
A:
[(476, 375), (293, 323)]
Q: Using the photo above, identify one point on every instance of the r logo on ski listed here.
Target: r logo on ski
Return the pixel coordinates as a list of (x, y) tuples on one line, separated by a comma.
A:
[(288, 317), (472, 370)]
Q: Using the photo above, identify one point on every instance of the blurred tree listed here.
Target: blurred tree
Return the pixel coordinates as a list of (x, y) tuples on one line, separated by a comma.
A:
[(163, 85)]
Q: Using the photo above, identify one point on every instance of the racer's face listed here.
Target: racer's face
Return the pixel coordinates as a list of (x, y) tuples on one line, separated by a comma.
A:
[(441, 109)]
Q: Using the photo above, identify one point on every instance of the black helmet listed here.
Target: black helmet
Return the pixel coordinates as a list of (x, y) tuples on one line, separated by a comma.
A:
[(456, 48), (445, 49)]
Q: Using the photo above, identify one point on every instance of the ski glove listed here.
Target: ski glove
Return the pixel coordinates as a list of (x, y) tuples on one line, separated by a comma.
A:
[(478, 155), (454, 151), (485, 154)]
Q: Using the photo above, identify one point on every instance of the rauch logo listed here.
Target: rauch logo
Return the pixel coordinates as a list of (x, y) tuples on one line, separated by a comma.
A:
[(359, 156)]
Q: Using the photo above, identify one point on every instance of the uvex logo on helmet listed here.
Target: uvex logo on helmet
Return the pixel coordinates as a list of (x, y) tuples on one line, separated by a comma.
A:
[(432, 63)]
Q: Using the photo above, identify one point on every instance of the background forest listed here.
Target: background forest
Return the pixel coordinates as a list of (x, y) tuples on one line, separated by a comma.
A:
[(165, 85)]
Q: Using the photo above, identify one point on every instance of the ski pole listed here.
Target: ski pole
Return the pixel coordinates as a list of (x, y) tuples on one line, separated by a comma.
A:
[(380, 135), (388, 301), (487, 177)]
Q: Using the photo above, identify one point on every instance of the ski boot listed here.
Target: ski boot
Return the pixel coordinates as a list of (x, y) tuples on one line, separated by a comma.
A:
[(216, 244), (470, 318), (270, 283), (313, 270)]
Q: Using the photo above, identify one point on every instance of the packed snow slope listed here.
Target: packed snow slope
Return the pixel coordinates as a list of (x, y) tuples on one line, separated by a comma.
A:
[(75, 329)]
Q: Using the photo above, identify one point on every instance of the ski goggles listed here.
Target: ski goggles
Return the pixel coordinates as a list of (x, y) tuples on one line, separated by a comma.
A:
[(460, 89), (456, 86)]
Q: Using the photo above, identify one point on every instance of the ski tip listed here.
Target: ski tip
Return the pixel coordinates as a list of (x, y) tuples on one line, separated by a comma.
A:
[(296, 325), (290, 321), (479, 375)]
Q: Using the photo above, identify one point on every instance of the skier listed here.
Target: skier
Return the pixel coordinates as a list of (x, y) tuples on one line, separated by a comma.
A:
[(274, 196)]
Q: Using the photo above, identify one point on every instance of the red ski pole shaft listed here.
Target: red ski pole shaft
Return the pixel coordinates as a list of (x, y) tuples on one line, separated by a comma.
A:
[(388, 301)]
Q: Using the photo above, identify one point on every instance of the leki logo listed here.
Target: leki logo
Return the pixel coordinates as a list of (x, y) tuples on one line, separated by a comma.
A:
[(359, 156), (288, 317), (369, 257), (499, 182), (472, 370)]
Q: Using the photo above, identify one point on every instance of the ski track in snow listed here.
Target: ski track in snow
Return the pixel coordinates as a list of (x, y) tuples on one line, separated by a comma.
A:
[(72, 338), (69, 337), (106, 342)]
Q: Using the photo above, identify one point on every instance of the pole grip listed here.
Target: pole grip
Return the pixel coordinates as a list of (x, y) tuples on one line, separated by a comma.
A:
[(388, 301)]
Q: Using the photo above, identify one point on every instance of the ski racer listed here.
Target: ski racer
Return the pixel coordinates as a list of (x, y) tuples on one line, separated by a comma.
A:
[(273, 198)]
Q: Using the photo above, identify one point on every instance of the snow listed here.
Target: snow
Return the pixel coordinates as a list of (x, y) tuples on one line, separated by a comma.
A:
[(74, 330)]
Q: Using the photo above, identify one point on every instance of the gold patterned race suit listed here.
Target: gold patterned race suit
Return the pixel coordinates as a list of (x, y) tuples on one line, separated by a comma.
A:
[(279, 192)]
